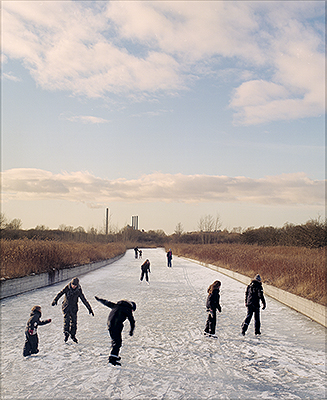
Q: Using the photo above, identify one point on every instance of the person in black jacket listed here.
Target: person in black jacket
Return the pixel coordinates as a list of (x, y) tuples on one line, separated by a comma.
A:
[(212, 305), (169, 258), (145, 268), (72, 292), (253, 296), (120, 311), (31, 337)]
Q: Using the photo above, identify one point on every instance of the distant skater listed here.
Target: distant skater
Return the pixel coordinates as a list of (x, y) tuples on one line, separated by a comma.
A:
[(145, 268), (136, 251), (31, 337), (169, 257), (140, 253), (120, 311), (212, 305), (253, 295), (72, 292)]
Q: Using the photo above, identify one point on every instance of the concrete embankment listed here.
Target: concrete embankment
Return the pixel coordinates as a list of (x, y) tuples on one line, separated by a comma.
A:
[(12, 287), (315, 311)]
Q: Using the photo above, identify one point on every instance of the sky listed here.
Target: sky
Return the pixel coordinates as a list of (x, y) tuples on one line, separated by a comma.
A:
[(169, 110)]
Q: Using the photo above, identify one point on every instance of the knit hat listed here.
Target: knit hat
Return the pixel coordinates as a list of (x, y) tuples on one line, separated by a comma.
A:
[(36, 308), (258, 278), (133, 305), (75, 281)]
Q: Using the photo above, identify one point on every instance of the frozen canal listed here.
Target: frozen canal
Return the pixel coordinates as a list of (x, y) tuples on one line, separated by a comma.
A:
[(168, 357)]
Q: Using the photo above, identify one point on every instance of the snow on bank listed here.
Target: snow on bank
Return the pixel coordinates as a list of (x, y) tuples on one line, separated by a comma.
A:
[(168, 357)]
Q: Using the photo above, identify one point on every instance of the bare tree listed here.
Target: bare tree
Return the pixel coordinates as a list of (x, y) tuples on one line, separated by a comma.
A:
[(179, 229), (14, 224)]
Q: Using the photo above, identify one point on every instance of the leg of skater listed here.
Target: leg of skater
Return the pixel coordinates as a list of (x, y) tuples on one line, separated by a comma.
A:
[(247, 320)]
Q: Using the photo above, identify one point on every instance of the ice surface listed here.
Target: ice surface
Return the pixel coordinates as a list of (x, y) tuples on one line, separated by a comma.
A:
[(168, 357)]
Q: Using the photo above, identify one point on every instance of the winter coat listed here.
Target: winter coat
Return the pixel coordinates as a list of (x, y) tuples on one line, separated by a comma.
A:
[(169, 255), (213, 300), (145, 266), (34, 321), (253, 295), (70, 302), (121, 311)]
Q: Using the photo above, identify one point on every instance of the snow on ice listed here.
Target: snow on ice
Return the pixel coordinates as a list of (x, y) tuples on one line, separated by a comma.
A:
[(168, 357)]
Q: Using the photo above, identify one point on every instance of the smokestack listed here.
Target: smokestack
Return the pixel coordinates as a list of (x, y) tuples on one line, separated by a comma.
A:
[(107, 220)]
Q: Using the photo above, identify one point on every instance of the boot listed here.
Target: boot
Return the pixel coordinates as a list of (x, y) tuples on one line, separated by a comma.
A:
[(74, 338), (66, 336), (114, 360)]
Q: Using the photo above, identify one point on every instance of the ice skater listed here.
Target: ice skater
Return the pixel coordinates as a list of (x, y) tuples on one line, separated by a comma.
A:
[(212, 305), (253, 295), (136, 251), (145, 270), (72, 292), (120, 311), (169, 257), (31, 337)]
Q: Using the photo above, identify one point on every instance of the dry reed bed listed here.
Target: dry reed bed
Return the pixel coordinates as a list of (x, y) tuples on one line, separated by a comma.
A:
[(25, 257), (298, 270)]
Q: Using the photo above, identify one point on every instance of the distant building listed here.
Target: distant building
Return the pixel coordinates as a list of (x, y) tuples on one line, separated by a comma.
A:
[(135, 222)]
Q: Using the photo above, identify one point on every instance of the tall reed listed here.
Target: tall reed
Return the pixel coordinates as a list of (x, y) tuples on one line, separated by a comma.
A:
[(298, 270), (25, 257)]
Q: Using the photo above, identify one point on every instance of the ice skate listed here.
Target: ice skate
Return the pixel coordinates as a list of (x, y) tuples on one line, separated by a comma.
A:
[(74, 339)]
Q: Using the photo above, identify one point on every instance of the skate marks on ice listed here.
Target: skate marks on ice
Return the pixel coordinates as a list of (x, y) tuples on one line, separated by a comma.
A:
[(168, 357)]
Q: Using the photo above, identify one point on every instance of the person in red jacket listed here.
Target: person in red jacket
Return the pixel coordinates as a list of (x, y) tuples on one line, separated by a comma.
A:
[(31, 337), (253, 296), (120, 311)]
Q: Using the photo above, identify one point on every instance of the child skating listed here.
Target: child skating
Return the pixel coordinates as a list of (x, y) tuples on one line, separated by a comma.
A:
[(31, 337), (212, 305), (145, 270), (121, 311)]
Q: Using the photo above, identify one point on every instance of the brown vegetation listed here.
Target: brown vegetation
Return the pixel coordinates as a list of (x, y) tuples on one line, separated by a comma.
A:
[(25, 257), (298, 270)]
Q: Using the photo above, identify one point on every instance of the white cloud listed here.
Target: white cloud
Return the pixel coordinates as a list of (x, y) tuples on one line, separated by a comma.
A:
[(285, 189), (87, 119), (142, 49)]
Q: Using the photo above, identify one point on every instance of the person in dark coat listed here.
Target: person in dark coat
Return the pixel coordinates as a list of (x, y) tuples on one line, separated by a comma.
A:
[(212, 305), (253, 296), (136, 251), (169, 257), (145, 268), (121, 311), (72, 292), (31, 337)]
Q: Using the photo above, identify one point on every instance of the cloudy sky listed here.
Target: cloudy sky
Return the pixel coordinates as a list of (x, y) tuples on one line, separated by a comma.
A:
[(166, 110)]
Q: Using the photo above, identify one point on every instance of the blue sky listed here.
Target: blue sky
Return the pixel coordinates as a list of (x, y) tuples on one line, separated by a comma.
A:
[(166, 110)]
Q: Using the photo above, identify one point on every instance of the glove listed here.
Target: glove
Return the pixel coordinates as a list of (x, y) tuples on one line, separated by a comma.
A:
[(264, 306), (91, 312), (219, 309), (131, 333), (48, 320), (54, 303), (30, 331)]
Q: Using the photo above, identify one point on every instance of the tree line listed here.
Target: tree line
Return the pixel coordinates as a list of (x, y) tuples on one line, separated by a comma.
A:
[(311, 234)]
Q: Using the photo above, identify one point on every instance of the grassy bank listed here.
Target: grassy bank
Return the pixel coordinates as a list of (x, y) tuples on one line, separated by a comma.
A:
[(298, 270), (25, 257)]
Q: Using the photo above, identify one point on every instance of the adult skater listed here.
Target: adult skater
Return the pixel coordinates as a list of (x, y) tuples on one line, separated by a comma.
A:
[(31, 337), (212, 305), (120, 311), (72, 292), (169, 257), (136, 251), (253, 295), (145, 268)]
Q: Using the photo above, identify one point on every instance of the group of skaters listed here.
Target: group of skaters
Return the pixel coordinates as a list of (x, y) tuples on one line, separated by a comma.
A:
[(137, 252), (124, 309), (253, 297)]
